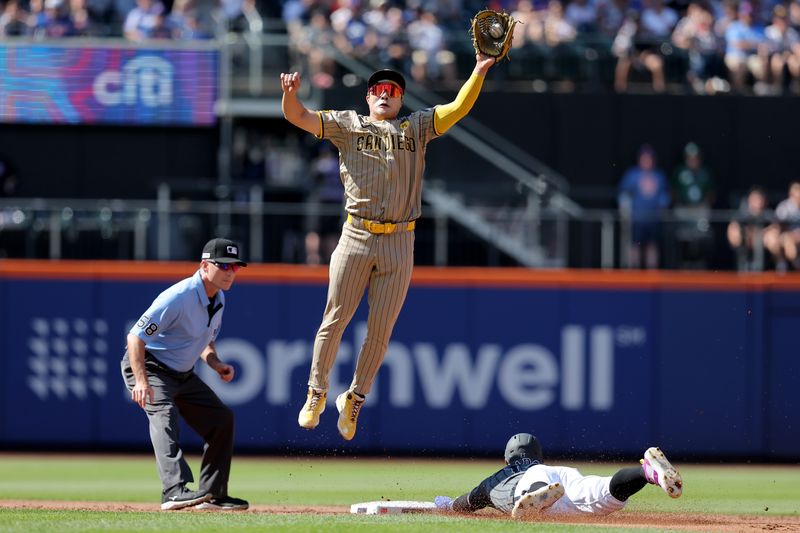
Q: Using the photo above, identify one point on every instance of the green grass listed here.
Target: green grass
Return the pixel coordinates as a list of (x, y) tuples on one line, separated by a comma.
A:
[(76, 521), (321, 481)]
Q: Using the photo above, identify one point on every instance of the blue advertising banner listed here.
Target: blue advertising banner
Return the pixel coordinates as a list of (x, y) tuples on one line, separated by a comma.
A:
[(590, 370), (93, 84)]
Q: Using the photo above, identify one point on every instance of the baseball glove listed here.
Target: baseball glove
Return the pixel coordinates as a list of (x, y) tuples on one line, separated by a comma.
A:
[(492, 33)]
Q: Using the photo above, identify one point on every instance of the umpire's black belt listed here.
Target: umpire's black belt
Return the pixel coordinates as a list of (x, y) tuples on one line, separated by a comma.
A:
[(163, 367), (380, 228)]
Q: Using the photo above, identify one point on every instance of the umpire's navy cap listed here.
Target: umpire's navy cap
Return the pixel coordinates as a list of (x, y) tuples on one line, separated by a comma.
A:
[(387, 74), (222, 251)]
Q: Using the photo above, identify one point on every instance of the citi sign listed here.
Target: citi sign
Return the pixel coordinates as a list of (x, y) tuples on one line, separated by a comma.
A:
[(527, 376), (145, 79)]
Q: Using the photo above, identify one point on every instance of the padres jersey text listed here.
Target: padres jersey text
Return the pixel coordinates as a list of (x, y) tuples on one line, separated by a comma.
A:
[(381, 162)]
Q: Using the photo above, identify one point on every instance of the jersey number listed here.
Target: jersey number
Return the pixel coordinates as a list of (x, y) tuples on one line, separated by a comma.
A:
[(151, 328)]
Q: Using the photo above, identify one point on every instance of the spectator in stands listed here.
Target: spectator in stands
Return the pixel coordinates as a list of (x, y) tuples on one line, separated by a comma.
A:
[(162, 29), (238, 16), (296, 14), (695, 34), (529, 50), (610, 16), (142, 19), (527, 17), (102, 17), (794, 14), (782, 237), (229, 13), (83, 24), (54, 22), (375, 14), (185, 22), (658, 20), (531, 31), (728, 14), (35, 13), (692, 183), (385, 38), (12, 20), (315, 44), (451, 12), (632, 49), (430, 57), (349, 28), (392, 44), (693, 197), (783, 43), (745, 231), (643, 198), (582, 15), (562, 62), (557, 29), (746, 50)]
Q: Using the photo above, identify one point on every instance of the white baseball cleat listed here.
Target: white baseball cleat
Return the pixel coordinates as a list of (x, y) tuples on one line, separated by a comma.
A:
[(533, 503), (659, 471)]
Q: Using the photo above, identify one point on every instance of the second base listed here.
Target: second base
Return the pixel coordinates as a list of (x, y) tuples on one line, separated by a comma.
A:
[(392, 507)]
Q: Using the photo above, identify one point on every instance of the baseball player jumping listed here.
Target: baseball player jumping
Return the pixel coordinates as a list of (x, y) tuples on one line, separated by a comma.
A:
[(381, 160), (527, 488)]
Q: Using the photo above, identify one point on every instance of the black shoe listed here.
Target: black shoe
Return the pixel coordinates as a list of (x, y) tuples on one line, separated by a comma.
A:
[(225, 503), (179, 497)]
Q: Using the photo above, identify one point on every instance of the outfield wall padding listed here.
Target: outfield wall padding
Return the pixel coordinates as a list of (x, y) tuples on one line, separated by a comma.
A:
[(704, 365)]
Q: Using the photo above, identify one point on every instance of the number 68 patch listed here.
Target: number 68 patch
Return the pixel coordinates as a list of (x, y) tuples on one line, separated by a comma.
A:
[(151, 328)]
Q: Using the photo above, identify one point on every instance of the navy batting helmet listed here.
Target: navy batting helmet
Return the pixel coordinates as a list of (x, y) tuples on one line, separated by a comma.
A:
[(523, 446)]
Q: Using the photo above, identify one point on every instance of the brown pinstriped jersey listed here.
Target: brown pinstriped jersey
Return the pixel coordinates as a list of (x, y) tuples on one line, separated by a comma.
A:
[(380, 162)]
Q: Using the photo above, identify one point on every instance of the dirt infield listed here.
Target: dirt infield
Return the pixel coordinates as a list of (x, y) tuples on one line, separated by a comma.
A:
[(660, 521)]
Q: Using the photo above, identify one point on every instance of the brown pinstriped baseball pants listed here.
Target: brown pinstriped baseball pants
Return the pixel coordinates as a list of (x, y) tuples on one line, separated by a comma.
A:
[(384, 262)]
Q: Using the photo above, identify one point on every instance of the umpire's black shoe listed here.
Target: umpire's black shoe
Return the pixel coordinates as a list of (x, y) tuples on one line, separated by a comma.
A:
[(225, 503), (179, 497)]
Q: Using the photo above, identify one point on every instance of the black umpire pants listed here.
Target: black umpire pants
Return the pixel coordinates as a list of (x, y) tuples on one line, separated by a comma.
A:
[(184, 394)]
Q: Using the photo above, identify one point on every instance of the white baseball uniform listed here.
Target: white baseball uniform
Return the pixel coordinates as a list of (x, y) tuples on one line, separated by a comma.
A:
[(582, 494)]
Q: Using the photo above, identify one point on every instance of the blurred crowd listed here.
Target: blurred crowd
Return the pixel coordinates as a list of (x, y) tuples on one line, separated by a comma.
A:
[(760, 237), (135, 20), (706, 46), (679, 210), (296, 169)]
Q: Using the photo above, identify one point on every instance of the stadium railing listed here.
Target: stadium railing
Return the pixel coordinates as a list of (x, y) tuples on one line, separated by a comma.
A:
[(170, 228)]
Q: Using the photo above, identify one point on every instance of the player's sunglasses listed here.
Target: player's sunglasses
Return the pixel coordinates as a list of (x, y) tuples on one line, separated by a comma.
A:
[(226, 266), (390, 88)]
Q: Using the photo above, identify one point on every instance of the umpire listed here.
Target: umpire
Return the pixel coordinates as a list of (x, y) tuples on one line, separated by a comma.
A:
[(178, 328)]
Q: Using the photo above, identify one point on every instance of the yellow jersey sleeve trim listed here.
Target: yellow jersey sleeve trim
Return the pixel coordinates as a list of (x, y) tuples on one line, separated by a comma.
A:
[(321, 126), (444, 116)]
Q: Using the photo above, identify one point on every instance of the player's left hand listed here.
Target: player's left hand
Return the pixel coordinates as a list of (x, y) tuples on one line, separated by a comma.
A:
[(225, 371), (443, 503)]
